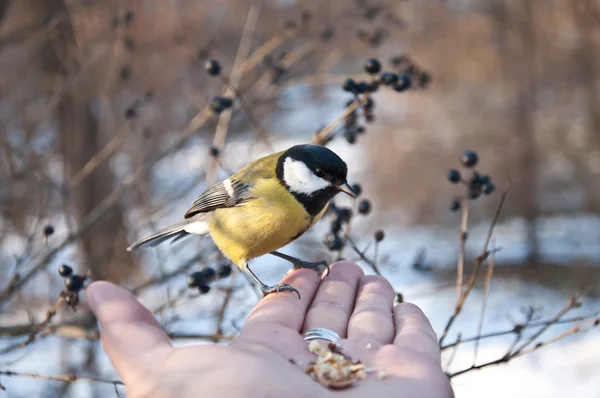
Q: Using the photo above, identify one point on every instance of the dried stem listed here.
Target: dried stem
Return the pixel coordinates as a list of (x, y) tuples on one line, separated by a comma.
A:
[(234, 80), (322, 137), (47, 319), (363, 257), (486, 289), (463, 236), (518, 328), (64, 378), (478, 262)]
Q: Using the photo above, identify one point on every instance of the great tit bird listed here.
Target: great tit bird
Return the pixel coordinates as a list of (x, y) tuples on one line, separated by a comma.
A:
[(265, 205)]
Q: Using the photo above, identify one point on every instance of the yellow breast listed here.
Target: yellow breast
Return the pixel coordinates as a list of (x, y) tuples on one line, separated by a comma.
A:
[(261, 225)]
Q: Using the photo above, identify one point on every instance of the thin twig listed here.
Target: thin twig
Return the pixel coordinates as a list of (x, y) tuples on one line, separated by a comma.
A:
[(516, 329), (486, 289), (363, 257), (234, 80), (478, 262), (463, 236), (571, 303), (47, 319), (322, 137), (453, 354), (64, 378)]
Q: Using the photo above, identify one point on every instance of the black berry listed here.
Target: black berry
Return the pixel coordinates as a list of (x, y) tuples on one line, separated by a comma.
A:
[(195, 279), (362, 87), (488, 188), (373, 86), (125, 72), (368, 103), (327, 33), (357, 189), (399, 60), (219, 104), (129, 43), (455, 205), (360, 129), (349, 86), (453, 176), (474, 194), (424, 79), (379, 235), (131, 112), (48, 230), (64, 270), (364, 207), (372, 66), (212, 67), (403, 83), (350, 137), (344, 214), (369, 118), (224, 270), (128, 17), (469, 159), (388, 78), (333, 242), (149, 95), (484, 179), (203, 288), (208, 273), (306, 16), (336, 226), (74, 283)]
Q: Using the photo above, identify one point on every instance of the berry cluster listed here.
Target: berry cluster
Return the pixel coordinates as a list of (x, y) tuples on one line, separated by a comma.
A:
[(407, 67), (477, 184), (399, 82), (73, 285), (217, 104), (202, 279), (342, 216)]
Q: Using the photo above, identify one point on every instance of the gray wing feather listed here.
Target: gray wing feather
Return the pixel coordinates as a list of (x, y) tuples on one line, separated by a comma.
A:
[(175, 232), (220, 196)]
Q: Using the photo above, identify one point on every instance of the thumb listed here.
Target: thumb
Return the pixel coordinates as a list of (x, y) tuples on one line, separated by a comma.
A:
[(130, 334)]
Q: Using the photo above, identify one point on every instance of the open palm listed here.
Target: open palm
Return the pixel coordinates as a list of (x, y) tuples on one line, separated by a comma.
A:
[(268, 358)]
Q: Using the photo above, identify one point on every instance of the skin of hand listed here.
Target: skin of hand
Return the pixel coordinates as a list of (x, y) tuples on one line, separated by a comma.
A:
[(397, 340)]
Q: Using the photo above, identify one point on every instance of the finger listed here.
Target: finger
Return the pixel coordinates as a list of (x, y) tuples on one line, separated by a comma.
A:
[(414, 332), (372, 322), (129, 332), (335, 298), (285, 309)]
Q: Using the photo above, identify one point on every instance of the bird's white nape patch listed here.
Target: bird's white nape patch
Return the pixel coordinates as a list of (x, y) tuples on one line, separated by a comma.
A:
[(197, 227), (301, 179)]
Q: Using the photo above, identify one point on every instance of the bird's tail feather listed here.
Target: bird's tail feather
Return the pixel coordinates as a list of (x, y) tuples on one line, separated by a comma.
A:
[(194, 225)]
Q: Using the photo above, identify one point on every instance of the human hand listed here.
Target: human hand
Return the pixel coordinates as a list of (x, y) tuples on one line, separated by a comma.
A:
[(398, 341)]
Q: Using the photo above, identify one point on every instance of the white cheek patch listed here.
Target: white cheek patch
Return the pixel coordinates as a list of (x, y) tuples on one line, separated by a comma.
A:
[(301, 179)]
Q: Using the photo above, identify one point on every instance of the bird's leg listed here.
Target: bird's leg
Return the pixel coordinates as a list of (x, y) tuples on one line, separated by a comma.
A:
[(280, 287), (303, 264)]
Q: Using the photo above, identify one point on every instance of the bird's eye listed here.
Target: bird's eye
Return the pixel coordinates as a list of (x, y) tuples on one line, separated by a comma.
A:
[(319, 173)]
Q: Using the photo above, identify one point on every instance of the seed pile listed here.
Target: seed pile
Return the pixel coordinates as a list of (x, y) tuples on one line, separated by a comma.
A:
[(332, 368)]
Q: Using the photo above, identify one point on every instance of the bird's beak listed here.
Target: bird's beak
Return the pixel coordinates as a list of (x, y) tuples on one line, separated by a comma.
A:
[(346, 188)]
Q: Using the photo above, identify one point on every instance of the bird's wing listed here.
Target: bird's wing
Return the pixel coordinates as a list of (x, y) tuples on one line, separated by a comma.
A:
[(227, 193)]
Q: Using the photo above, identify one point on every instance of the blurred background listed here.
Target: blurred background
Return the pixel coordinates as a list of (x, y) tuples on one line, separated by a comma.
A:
[(105, 136)]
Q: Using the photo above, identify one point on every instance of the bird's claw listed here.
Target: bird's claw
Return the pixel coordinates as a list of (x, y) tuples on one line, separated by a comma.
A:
[(316, 265), (280, 287)]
